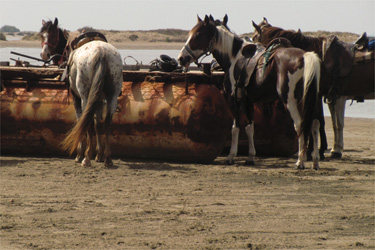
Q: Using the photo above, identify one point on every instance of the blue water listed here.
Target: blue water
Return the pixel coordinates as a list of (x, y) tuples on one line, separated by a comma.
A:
[(359, 110)]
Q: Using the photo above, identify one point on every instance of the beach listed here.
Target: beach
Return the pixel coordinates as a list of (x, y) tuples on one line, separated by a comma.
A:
[(53, 203)]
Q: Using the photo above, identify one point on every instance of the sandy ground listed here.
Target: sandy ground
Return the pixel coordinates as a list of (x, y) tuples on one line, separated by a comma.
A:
[(52, 203)]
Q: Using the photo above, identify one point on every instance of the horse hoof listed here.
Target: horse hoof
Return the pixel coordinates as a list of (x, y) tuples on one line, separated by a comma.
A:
[(322, 157), (108, 163), (86, 163), (315, 167), (300, 167), (229, 162), (99, 158), (249, 163), (336, 155), (78, 159)]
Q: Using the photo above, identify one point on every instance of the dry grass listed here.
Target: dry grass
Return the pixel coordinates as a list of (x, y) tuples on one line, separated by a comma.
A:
[(177, 35)]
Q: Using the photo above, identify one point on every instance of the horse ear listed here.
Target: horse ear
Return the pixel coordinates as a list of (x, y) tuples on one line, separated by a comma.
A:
[(257, 28), (225, 20), (199, 19), (212, 18), (43, 22), (206, 19), (56, 22), (299, 30), (265, 20)]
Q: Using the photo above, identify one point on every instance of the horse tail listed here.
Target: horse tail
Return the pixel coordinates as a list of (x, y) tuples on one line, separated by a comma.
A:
[(78, 132), (310, 100)]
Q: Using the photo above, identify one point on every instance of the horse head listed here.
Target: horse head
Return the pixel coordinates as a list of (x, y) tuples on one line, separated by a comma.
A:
[(53, 39), (200, 41), (257, 36)]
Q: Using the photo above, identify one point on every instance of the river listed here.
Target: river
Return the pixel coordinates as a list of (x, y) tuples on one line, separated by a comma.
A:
[(353, 109)]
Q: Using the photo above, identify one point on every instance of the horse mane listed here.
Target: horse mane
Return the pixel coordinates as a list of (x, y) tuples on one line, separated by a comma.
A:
[(47, 27), (297, 39)]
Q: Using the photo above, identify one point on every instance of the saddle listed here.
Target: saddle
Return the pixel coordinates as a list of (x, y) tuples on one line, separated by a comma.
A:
[(87, 37), (257, 56), (78, 42)]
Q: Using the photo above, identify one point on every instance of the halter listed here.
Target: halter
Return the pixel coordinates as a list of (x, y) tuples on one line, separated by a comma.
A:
[(207, 51), (57, 41)]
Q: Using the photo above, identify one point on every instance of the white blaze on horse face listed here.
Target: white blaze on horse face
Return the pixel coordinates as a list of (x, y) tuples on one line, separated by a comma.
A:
[(45, 50), (184, 53)]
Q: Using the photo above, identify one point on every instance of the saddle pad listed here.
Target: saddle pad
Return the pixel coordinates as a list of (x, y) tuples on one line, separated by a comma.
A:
[(363, 57), (87, 37)]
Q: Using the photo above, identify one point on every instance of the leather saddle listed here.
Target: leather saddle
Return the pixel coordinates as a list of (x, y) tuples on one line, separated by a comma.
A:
[(87, 37)]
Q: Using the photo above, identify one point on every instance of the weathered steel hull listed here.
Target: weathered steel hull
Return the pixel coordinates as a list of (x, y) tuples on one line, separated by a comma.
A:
[(174, 117)]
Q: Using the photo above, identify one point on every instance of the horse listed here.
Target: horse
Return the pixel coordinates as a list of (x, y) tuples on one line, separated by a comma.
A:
[(95, 77), (54, 41), (341, 79), (291, 75)]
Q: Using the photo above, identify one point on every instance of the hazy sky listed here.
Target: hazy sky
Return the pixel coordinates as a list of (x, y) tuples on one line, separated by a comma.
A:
[(354, 16)]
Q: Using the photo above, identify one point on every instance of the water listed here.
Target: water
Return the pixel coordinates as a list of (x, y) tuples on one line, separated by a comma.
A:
[(359, 110)]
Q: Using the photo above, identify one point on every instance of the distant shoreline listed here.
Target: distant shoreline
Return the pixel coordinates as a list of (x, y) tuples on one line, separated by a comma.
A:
[(142, 45)]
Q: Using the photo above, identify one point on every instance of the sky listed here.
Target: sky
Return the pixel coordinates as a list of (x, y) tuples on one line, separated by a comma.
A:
[(356, 16)]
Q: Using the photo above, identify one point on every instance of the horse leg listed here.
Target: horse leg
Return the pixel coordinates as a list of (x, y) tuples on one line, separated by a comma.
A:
[(250, 134), (78, 108), (235, 107), (302, 145), (323, 137), (315, 137), (234, 144), (86, 162), (98, 132), (337, 115), (111, 109)]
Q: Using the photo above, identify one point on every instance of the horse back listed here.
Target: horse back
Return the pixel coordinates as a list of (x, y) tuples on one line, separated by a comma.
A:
[(84, 60)]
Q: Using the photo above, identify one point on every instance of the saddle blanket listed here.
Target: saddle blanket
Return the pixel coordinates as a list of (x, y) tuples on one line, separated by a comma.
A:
[(363, 57)]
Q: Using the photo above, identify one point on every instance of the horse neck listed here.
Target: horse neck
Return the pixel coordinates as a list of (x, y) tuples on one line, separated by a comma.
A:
[(226, 47), (297, 40), (62, 42)]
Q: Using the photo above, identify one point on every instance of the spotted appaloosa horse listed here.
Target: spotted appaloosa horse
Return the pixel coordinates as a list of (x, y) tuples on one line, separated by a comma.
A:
[(291, 75), (95, 75), (54, 41), (340, 79)]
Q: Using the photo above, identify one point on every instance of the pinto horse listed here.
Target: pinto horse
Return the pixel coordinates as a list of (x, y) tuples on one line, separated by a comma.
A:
[(54, 41), (291, 75), (341, 79), (95, 76)]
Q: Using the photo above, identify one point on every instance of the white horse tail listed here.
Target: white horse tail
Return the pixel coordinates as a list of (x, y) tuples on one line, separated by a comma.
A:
[(311, 77), (79, 131)]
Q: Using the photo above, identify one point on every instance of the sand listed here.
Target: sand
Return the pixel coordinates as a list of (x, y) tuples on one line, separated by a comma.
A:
[(53, 203)]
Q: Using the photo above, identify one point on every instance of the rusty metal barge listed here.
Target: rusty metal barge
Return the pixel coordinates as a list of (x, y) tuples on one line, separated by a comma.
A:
[(167, 116)]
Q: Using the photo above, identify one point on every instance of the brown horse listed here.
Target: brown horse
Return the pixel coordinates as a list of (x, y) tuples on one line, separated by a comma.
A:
[(290, 74), (54, 41), (342, 77)]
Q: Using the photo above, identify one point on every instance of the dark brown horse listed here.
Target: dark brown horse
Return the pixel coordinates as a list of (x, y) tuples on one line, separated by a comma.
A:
[(290, 74), (54, 41), (343, 75)]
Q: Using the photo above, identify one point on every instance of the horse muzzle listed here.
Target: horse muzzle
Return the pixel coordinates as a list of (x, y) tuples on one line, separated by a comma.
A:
[(185, 61)]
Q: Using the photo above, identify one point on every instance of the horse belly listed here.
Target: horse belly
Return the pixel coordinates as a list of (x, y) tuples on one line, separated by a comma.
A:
[(359, 82)]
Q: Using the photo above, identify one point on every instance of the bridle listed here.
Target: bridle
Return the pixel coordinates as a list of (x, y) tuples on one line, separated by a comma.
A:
[(50, 44), (206, 52)]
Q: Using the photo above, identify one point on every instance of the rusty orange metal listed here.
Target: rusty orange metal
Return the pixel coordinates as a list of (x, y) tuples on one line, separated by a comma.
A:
[(167, 116)]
